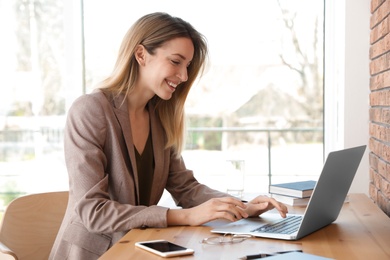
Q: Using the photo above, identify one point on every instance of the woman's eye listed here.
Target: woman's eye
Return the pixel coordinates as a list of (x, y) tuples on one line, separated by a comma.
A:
[(175, 62)]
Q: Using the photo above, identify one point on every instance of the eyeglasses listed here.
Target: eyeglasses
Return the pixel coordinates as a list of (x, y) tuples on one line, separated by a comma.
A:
[(225, 239)]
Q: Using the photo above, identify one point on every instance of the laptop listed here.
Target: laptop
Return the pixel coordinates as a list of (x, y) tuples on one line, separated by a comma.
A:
[(323, 208)]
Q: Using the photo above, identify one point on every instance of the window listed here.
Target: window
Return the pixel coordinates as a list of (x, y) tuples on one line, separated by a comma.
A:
[(32, 103), (261, 98), (251, 46)]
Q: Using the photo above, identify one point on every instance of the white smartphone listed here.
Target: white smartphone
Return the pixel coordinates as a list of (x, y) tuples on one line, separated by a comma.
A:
[(164, 248)]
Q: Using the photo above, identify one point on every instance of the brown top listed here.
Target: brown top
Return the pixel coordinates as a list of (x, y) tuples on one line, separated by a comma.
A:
[(145, 167)]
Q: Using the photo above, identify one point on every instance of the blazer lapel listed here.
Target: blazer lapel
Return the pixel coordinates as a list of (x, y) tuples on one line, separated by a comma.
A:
[(122, 115), (159, 140)]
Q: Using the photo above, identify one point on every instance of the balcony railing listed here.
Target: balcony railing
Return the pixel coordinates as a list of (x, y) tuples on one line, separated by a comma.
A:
[(268, 133), (24, 144), (52, 138)]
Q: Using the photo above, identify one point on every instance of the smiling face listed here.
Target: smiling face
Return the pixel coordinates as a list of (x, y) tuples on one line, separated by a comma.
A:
[(162, 72)]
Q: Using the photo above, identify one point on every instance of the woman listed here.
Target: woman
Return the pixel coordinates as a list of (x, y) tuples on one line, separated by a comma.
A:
[(123, 144)]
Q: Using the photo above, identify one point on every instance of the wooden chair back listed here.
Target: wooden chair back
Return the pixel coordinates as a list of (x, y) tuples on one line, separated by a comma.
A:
[(30, 224)]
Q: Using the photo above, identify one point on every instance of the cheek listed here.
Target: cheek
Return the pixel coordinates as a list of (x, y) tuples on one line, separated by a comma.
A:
[(159, 71), (153, 72), (167, 71)]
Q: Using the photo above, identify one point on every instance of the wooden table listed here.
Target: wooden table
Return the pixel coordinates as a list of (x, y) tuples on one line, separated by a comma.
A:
[(362, 231)]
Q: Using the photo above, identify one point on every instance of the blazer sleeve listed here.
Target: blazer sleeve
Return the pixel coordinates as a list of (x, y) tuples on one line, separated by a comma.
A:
[(92, 194)]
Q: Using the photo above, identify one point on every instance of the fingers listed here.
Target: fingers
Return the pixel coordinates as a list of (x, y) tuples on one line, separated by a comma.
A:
[(229, 208), (271, 203), (233, 201), (280, 207), (233, 209)]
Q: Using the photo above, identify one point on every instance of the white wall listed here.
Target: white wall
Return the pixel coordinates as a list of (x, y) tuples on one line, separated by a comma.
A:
[(347, 80)]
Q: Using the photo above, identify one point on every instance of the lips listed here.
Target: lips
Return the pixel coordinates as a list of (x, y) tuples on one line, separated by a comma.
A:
[(172, 85)]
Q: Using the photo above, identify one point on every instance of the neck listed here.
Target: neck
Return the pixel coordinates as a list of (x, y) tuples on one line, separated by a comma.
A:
[(137, 100)]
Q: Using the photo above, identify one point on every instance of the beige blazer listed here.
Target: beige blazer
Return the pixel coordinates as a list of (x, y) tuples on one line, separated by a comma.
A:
[(103, 179)]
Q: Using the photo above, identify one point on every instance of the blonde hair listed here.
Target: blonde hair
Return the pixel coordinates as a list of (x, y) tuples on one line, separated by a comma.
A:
[(152, 31)]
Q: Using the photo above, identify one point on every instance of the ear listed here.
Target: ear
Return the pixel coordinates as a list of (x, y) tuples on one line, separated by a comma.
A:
[(139, 54)]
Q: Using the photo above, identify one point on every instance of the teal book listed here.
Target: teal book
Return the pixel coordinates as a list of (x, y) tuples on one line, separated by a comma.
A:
[(299, 189)]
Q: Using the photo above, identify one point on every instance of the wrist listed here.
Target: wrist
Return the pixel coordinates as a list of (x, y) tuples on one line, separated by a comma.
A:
[(177, 217)]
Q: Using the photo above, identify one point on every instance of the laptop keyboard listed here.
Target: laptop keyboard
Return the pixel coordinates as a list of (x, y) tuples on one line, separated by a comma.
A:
[(287, 225)]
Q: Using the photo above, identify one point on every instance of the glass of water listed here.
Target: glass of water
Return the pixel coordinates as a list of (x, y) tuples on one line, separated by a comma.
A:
[(235, 176)]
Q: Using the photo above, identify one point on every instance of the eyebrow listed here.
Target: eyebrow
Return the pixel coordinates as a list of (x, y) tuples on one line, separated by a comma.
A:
[(181, 56)]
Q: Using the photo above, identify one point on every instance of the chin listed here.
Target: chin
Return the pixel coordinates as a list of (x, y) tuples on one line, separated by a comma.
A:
[(165, 97)]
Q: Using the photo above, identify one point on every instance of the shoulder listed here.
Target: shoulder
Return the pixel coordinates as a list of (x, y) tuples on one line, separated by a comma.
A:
[(87, 116), (97, 97), (89, 109), (95, 103)]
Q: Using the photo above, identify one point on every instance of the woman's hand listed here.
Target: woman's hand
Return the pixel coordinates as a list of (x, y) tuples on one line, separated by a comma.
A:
[(217, 208), (261, 204), (227, 208)]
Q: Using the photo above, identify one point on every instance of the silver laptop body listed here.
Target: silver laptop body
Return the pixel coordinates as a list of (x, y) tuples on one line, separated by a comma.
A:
[(324, 206)]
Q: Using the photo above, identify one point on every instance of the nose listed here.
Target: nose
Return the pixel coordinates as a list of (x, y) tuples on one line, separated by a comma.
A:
[(182, 74)]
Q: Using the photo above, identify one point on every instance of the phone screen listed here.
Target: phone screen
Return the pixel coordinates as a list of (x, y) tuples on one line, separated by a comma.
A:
[(164, 246)]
